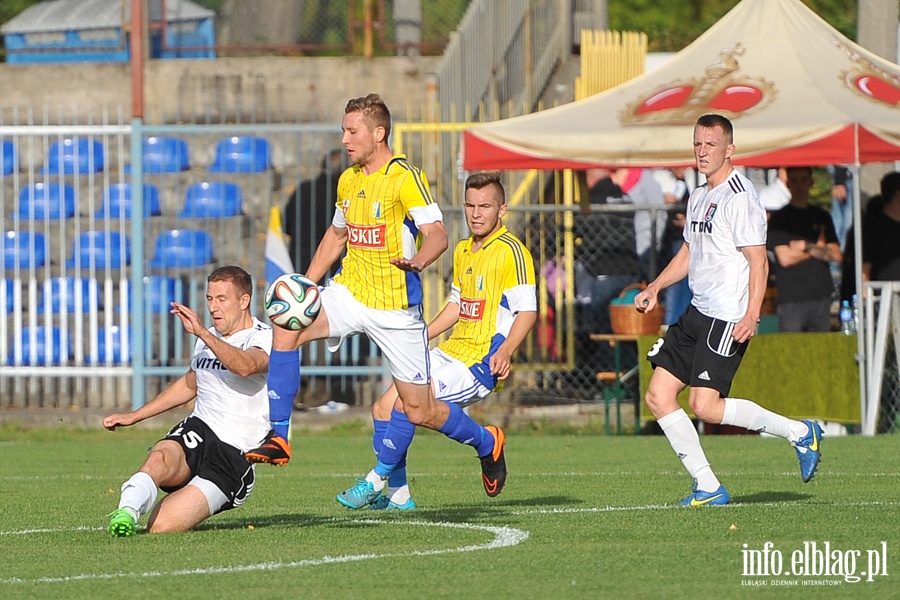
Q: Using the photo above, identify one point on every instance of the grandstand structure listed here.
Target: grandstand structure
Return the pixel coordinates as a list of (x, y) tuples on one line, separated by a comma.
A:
[(106, 220)]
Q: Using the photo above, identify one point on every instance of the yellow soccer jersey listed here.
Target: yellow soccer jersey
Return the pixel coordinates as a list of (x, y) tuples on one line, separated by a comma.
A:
[(493, 285), (378, 211)]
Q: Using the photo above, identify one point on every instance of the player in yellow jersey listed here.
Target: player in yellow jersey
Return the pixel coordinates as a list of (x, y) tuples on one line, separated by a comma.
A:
[(390, 228), (492, 307)]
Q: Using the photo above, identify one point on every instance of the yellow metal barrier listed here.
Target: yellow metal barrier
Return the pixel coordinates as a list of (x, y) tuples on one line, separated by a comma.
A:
[(609, 58)]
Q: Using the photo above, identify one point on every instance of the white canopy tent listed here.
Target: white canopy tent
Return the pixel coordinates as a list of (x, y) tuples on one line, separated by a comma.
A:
[(799, 94)]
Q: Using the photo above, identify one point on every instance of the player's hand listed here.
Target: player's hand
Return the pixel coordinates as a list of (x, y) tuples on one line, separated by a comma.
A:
[(500, 364), (117, 420), (645, 300), (744, 329), (405, 264), (189, 318)]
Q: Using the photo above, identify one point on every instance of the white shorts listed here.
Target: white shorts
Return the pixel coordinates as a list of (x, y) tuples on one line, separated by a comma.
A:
[(453, 381), (401, 334)]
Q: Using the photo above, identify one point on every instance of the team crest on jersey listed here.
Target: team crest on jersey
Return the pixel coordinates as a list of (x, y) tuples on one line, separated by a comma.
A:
[(479, 283), (376, 210), (345, 205), (710, 212)]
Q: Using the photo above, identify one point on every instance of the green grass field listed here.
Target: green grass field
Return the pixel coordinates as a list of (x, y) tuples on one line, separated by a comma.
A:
[(583, 516)]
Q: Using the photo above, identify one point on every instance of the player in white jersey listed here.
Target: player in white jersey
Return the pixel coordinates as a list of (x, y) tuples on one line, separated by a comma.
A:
[(200, 463), (724, 259)]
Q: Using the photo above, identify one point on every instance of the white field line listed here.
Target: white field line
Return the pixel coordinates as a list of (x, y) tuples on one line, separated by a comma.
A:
[(678, 472), (503, 537)]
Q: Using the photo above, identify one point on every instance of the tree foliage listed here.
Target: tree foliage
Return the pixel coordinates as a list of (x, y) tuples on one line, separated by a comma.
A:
[(672, 25)]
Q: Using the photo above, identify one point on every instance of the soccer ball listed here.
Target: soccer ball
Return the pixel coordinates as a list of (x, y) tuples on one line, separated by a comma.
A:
[(292, 302)]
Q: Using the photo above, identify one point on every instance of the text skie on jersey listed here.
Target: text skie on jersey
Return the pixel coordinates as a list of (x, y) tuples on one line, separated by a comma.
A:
[(471, 310), (366, 236)]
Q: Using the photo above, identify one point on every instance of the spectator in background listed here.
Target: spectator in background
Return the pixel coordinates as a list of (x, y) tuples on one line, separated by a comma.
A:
[(842, 202), (881, 234), (676, 184), (803, 240), (605, 257), (307, 215), (642, 189), (309, 209), (776, 195)]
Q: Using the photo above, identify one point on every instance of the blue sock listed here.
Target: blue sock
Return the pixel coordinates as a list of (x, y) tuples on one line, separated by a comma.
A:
[(397, 477), (284, 383), (378, 435), (462, 428), (396, 441)]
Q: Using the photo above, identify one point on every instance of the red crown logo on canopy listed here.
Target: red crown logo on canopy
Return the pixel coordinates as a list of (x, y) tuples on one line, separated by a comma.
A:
[(871, 82), (722, 90)]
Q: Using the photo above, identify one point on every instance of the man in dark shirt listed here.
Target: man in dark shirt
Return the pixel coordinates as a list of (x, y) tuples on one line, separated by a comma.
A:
[(881, 234), (804, 242), (309, 209)]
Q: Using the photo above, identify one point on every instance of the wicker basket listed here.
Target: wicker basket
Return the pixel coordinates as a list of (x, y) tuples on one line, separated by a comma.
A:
[(626, 320)]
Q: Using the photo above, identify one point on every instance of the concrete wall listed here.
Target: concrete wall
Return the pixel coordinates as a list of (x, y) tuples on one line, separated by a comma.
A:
[(242, 89)]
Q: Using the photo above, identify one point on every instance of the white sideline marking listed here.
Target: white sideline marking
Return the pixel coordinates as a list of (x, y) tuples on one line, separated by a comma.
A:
[(504, 537)]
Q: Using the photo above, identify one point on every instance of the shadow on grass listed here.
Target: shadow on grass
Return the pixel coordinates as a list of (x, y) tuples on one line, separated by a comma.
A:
[(771, 497), (292, 520)]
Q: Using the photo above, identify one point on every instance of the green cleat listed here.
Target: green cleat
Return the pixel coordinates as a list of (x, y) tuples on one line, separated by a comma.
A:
[(121, 523)]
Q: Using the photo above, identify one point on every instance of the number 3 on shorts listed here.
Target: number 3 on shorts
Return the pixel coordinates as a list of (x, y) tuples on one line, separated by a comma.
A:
[(655, 349)]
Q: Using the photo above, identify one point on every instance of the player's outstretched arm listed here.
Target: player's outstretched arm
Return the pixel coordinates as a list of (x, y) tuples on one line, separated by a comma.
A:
[(179, 392), (240, 362), (329, 250), (501, 360), (434, 242), (444, 320)]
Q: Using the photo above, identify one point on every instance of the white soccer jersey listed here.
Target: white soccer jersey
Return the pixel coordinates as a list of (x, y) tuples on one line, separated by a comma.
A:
[(721, 221), (236, 408)]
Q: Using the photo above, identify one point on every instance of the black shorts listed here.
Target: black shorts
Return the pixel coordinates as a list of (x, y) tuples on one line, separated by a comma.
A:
[(211, 459), (700, 351)]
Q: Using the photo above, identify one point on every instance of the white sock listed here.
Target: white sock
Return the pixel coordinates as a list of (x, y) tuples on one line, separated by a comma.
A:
[(398, 495), (686, 443), (377, 481), (138, 494), (752, 416)]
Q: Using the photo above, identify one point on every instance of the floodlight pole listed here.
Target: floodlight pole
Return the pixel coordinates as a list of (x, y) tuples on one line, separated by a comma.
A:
[(138, 384)]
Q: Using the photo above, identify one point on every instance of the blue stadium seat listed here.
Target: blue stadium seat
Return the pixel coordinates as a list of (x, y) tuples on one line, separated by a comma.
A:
[(159, 291), (24, 249), (47, 201), (9, 285), (70, 156), (112, 353), (101, 249), (213, 200), (182, 248), (242, 154), (164, 155), (59, 347), (83, 291), (8, 159), (117, 201)]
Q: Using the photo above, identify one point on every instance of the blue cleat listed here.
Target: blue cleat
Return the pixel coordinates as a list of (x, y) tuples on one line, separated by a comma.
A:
[(809, 451), (384, 504), (359, 496), (719, 497)]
